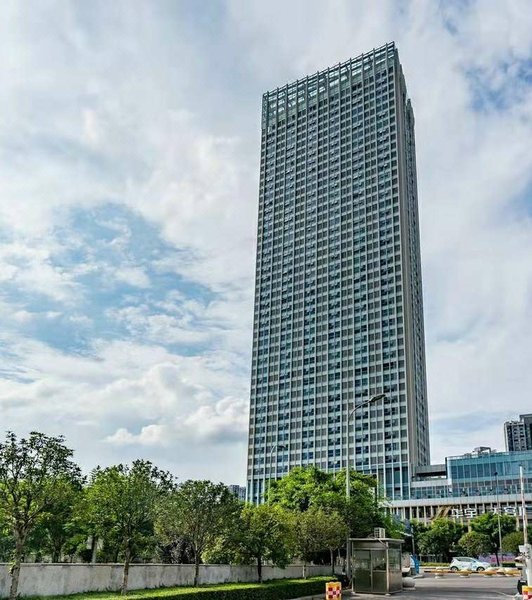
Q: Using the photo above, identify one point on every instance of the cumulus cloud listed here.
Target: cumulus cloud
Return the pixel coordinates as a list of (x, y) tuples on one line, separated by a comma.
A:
[(149, 435), (221, 422), (126, 398)]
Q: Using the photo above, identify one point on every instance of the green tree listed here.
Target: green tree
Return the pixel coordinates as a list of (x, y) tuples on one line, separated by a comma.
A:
[(55, 529), (336, 531), (309, 534), (364, 511), (222, 551), (199, 511), (488, 524), (441, 538), (7, 544), (414, 530), (32, 475), (474, 544), (305, 487), (83, 540), (265, 532), (121, 502), (317, 530), (512, 541)]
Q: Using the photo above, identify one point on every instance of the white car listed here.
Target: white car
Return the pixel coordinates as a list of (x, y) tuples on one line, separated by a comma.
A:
[(462, 563)]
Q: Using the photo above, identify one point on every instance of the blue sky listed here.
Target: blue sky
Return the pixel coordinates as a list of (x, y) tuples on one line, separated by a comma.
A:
[(129, 150)]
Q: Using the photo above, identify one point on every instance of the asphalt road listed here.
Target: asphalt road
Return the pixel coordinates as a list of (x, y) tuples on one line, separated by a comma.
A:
[(453, 587)]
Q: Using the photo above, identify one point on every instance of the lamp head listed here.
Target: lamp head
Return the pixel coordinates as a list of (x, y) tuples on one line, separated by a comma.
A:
[(378, 397)]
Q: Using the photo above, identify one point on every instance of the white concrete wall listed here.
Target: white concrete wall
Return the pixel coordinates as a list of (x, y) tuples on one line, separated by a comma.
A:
[(45, 579)]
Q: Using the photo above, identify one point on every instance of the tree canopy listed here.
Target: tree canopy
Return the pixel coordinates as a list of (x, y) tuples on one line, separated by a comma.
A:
[(121, 502), (474, 544), (265, 532), (199, 511), (309, 487), (441, 538), (35, 473), (512, 541), (487, 524)]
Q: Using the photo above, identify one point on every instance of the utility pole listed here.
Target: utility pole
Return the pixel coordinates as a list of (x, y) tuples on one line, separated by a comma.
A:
[(498, 514)]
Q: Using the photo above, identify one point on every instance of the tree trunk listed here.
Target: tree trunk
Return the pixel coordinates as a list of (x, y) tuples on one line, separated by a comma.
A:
[(196, 569), (125, 574), (94, 549), (15, 569), (331, 550), (259, 568), (304, 569)]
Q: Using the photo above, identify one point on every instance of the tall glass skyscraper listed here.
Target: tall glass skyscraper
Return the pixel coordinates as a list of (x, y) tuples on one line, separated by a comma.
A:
[(338, 298)]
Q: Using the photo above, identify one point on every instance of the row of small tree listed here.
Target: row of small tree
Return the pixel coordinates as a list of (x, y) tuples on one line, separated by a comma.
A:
[(49, 510), (445, 538)]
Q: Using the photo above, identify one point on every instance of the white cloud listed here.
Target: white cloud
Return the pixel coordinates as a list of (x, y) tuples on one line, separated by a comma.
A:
[(30, 267), (133, 276), (226, 419), (150, 435), (91, 126), (220, 422), (127, 399)]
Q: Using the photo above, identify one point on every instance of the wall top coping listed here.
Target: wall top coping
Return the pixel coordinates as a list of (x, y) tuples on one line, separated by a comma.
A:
[(119, 564)]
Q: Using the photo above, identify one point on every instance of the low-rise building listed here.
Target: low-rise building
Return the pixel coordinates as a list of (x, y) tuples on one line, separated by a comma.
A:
[(466, 486)]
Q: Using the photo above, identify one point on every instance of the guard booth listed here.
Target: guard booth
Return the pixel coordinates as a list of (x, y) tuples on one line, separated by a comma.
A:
[(376, 565)]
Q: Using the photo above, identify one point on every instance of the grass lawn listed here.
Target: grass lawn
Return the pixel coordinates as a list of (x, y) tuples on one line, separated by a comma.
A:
[(282, 589)]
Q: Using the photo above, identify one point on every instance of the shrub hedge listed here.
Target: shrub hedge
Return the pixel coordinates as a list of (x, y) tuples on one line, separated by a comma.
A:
[(283, 589), (278, 590)]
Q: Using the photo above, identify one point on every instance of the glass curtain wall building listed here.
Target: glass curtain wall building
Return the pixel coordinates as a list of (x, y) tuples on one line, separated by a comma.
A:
[(469, 485), (338, 300)]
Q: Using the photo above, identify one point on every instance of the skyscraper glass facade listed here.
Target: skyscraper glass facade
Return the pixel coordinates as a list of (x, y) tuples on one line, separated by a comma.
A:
[(338, 299)]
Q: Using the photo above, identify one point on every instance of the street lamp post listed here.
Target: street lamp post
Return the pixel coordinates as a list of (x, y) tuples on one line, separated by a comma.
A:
[(498, 514), (275, 447), (348, 475)]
